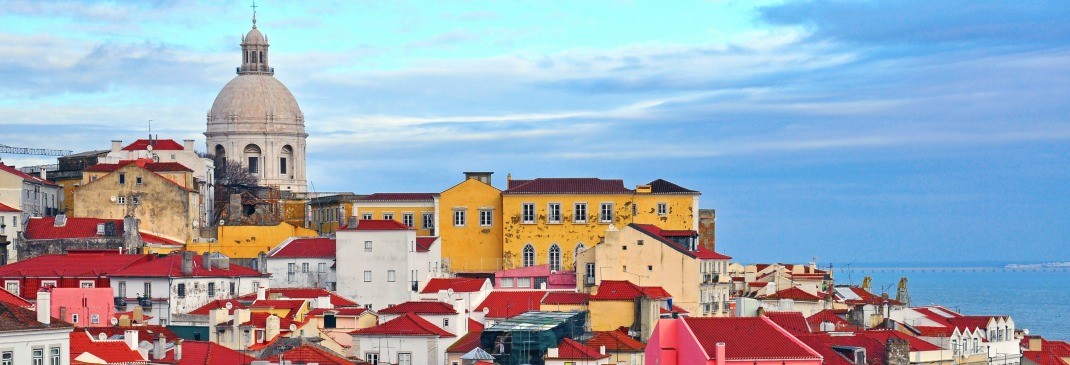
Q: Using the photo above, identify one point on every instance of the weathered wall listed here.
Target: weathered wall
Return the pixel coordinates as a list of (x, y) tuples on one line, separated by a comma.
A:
[(32, 248), (471, 248), (568, 234), (164, 209), (398, 209), (246, 242)]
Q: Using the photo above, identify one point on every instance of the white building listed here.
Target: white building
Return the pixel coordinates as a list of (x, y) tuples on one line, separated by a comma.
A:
[(381, 262), (303, 263), (183, 281), (27, 337), (450, 317), (407, 339), (964, 335), (10, 227), (25, 196), (168, 150)]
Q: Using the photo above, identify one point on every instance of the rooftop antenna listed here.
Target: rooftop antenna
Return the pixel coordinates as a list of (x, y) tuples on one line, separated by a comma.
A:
[(150, 130), (254, 13)]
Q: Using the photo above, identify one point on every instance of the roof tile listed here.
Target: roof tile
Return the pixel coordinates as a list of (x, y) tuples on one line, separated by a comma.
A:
[(569, 349), (407, 324), (569, 186), (314, 247), (157, 145), (459, 285), (747, 338), (420, 307), (508, 304)]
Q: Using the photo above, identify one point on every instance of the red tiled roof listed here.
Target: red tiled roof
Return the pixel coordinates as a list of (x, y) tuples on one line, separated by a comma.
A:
[(508, 304), (304, 293), (747, 338), (17, 318), (4, 208), (378, 225), (675, 308), (157, 145), (407, 324), (308, 354), (516, 182), (42, 228), (217, 304), (259, 320), (916, 344), (80, 264), (566, 298), (206, 353), (144, 332), (111, 351), (625, 290), (474, 325), (822, 343), (12, 170), (615, 341), (935, 331), (569, 186), (661, 186), (340, 311), (159, 240), (568, 349), (793, 322), (398, 197), (970, 322), (459, 285), (466, 343), (151, 166), (793, 293), (831, 316), (321, 247), (864, 296), (663, 236), (7, 297), (420, 307), (171, 266), (423, 244), (291, 305)]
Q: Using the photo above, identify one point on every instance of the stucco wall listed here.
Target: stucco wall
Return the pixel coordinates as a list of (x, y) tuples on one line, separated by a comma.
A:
[(389, 251), (246, 242), (471, 248), (164, 209)]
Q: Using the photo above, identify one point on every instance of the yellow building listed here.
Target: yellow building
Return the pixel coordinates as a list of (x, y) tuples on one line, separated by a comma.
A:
[(549, 220), (470, 225), (416, 210), (328, 212), (160, 195), (247, 242), (615, 304)]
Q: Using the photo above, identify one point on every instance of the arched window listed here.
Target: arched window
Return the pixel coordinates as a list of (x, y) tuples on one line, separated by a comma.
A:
[(579, 249), (555, 257), (529, 256), (252, 154), (262, 57), (285, 159)]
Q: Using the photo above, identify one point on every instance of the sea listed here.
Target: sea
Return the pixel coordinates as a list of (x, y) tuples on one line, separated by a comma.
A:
[(1035, 295)]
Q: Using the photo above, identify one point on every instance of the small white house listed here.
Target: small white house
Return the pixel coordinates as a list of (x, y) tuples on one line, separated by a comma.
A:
[(382, 262), (302, 262), (27, 337), (407, 339)]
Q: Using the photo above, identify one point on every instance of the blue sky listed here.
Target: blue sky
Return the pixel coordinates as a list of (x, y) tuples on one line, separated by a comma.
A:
[(900, 131)]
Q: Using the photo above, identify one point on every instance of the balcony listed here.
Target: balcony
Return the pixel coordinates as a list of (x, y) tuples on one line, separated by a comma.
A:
[(120, 302), (144, 302), (588, 280)]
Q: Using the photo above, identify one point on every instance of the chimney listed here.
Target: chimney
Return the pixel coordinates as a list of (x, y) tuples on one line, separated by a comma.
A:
[(897, 352), (271, 327), (124, 320), (324, 302), (138, 315), (552, 352), (116, 145), (187, 144), (44, 174), (131, 234), (719, 351), (612, 234), (158, 348), (178, 350), (130, 337), (261, 292), (187, 262), (261, 262), (44, 306), (63, 313), (602, 349), (352, 222), (206, 259), (222, 263)]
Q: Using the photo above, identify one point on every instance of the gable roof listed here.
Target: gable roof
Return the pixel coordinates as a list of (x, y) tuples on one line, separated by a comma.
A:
[(466, 343), (205, 353), (569, 349), (4, 208), (170, 266), (304, 293), (44, 228), (546, 185), (566, 298), (15, 318), (423, 244), (7, 297), (663, 236), (508, 304), (615, 341), (793, 293), (793, 322), (420, 307), (661, 186), (747, 338), (407, 324), (147, 165), (80, 264), (377, 225), (157, 145), (831, 316), (25, 177), (111, 351), (308, 354), (625, 290), (312, 247), (398, 197), (459, 285)]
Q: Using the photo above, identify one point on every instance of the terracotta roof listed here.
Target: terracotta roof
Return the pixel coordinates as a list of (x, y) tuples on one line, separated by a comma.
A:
[(4, 208), (566, 297), (308, 354), (970, 322), (340, 311), (661, 186), (320, 247), (41, 228), (304, 293), (291, 305), (663, 236), (217, 304), (72, 264), (171, 266), (516, 182), (569, 349), (147, 165), (144, 332), (793, 293), (935, 331), (615, 341), (420, 307), (793, 322), (569, 186), (675, 308), (12, 170), (205, 353), (916, 344), (398, 197), (831, 316), (508, 304), (378, 225), (466, 343), (864, 296), (625, 290), (459, 285), (747, 338), (111, 351), (16, 318), (7, 297), (423, 244), (157, 145), (822, 343), (407, 324), (259, 320), (474, 325)]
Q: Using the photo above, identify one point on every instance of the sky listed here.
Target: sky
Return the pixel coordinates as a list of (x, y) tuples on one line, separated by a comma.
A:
[(907, 131)]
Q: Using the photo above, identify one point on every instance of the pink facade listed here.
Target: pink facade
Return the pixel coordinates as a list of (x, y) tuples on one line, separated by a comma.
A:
[(83, 307), (674, 342), (525, 278)]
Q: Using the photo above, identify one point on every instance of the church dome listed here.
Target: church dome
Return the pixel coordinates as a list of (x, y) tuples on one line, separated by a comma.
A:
[(255, 37), (255, 98)]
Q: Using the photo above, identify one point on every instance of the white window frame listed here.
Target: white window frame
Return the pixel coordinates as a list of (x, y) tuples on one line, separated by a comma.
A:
[(408, 219), (553, 213), (369, 355), (322, 267), (94, 319), (87, 284), (304, 267), (508, 283), (367, 246), (366, 216), (486, 217), (459, 218), (429, 220), (579, 212), (120, 200), (367, 276), (8, 285), (663, 209), (388, 216), (527, 213), (602, 211), (527, 256), (391, 276)]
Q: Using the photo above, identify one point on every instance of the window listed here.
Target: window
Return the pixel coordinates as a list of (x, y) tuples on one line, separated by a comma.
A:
[(135, 200), (529, 256), (137, 180), (404, 358), (74, 317), (367, 276), (254, 165), (38, 356), (486, 217), (429, 220), (282, 165), (291, 267), (649, 267), (304, 267), (663, 209), (86, 284), (606, 213), (372, 357), (122, 178), (507, 283), (955, 346), (367, 246), (322, 267), (407, 219), (553, 213), (94, 319), (232, 292), (366, 216), (53, 356), (458, 218), (211, 289), (523, 282), (555, 258), (181, 290), (14, 222), (445, 322), (121, 200), (391, 276), (148, 290), (122, 289), (388, 216), (7, 358), (527, 212)]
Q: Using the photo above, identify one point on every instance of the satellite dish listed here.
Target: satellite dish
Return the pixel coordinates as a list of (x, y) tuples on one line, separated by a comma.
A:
[(229, 306), (449, 292), (102, 337), (486, 311), (113, 198), (149, 148), (114, 321), (293, 327)]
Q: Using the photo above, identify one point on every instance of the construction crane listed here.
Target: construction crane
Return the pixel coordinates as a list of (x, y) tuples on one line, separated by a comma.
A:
[(32, 151)]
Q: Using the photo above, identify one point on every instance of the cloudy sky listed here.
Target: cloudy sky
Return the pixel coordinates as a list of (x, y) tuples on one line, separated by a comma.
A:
[(899, 131)]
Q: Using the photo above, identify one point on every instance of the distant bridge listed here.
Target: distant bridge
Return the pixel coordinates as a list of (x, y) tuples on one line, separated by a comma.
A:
[(938, 269)]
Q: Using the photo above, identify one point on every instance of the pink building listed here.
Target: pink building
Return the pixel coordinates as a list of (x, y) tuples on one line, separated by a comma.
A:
[(534, 277), (726, 341), (83, 307)]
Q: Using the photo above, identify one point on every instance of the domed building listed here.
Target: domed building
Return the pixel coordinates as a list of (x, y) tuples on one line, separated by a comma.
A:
[(256, 121)]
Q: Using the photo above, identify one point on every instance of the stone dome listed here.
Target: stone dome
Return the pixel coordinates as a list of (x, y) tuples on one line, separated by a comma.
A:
[(255, 98), (255, 37)]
